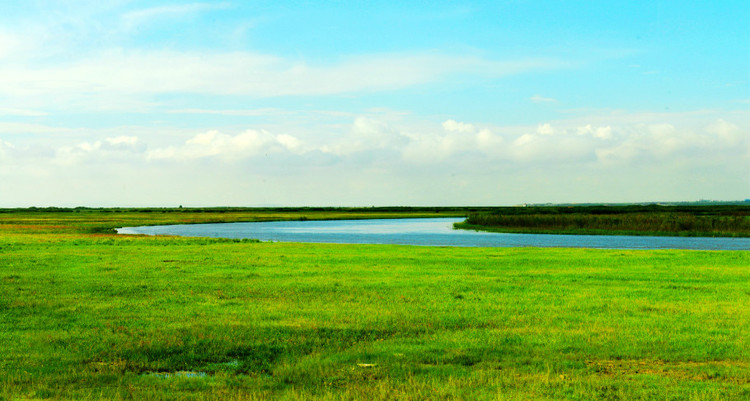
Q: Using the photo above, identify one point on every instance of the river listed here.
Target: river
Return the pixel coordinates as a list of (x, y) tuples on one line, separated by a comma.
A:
[(428, 232)]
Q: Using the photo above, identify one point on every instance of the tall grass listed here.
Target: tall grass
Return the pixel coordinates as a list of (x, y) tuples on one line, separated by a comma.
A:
[(645, 223)]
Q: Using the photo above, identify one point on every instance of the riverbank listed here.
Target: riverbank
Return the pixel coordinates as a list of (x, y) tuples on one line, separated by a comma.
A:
[(99, 316)]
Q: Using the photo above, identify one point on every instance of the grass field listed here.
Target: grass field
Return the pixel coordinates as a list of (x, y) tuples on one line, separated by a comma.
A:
[(85, 314)]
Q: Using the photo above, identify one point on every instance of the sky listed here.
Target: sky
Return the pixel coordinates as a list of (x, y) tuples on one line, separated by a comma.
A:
[(372, 103)]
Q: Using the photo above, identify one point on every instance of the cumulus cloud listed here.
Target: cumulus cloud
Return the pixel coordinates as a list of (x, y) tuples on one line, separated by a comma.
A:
[(619, 154), (454, 126), (108, 150), (596, 132), (552, 142), (546, 148), (129, 143), (718, 142), (379, 139), (489, 142), (378, 145), (545, 129), (727, 133), (214, 144), (609, 145), (369, 139), (456, 138)]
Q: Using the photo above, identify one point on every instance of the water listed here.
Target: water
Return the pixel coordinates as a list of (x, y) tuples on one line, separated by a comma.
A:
[(430, 232)]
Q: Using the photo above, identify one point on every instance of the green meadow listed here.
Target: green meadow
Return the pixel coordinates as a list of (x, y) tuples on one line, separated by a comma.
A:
[(86, 314)]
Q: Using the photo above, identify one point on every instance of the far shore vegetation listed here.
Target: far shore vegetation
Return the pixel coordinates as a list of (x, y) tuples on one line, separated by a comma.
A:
[(695, 221), (86, 314)]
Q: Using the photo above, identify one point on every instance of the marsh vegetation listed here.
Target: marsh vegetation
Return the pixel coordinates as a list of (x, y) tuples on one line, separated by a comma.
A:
[(708, 221)]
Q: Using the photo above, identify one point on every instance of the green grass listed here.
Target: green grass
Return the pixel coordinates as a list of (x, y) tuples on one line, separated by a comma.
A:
[(99, 316)]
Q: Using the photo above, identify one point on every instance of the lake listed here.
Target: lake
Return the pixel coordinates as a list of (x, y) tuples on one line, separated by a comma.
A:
[(425, 231)]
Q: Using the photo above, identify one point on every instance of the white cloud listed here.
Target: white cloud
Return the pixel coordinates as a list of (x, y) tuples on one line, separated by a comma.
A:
[(215, 144), (123, 142), (26, 129), (146, 73), (4, 111), (367, 135), (618, 155), (372, 137), (727, 133), (5, 147), (596, 132), (623, 143), (488, 142), (116, 149), (545, 129), (390, 150), (134, 18), (545, 149), (430, 147), (139, 73), (454, 126), (289, 142), (665, 143), (267, 111)]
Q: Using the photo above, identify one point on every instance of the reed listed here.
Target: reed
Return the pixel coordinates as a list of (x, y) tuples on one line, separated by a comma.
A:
[(654, 223)]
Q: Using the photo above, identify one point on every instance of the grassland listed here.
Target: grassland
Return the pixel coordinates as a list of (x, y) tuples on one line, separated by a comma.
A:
[(85, 314), (695, 221)]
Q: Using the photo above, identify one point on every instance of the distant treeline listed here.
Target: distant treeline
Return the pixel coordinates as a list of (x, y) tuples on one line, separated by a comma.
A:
[(723, 220)]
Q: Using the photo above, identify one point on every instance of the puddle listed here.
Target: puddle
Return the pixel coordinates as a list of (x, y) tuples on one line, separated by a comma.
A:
[(169, 375), (196, 374)]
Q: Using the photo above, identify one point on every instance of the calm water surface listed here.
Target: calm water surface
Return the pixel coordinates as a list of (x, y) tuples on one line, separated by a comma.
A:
[(431, 232)]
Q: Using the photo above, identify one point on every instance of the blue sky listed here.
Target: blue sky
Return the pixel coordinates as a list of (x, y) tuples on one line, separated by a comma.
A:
[(159, 103)]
